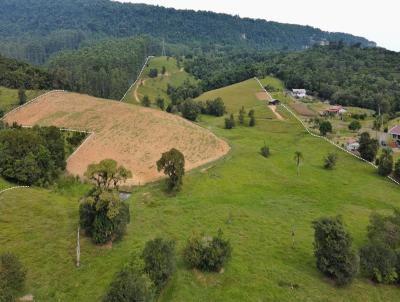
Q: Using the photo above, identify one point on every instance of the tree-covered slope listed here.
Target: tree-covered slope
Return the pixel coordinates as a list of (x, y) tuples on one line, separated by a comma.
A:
[(34, 29), (15, 74), (345, 75)]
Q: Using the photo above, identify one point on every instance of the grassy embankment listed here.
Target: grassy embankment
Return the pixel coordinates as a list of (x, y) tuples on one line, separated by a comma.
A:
[(9, 97), (257, 202), (157, 87)]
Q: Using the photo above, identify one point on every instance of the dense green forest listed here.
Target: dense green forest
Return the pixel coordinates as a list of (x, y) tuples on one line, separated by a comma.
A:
[(346, 75), (33, 30), (16, 74), (105, 69)]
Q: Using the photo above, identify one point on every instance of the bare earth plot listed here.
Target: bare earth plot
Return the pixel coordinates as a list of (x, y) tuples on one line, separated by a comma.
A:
[(133, 136)]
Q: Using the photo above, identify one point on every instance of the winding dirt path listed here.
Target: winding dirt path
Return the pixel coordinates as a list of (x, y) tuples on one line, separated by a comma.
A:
[(135, 92), (273, 109)]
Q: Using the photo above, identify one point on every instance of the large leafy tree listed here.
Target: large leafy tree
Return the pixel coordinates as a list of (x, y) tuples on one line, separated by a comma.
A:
[(107, 174), (172, 163), (385, 166)]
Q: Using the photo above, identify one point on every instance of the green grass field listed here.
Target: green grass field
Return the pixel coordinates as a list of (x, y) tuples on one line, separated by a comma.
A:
[(9, 97), (156, 87), (257, 202)]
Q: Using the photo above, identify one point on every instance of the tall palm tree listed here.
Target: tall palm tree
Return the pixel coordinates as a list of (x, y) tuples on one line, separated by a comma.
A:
[(298, 157)]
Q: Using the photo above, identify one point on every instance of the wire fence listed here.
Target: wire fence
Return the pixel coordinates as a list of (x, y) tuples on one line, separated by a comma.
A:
[(323, 137), (138, 77)]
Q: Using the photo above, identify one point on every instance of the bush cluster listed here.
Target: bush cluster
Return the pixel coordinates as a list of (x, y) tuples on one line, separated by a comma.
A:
[(207, 253)]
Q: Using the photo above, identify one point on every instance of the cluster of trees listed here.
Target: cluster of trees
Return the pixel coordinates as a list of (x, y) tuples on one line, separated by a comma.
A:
[(12, 277), (15, 74), (144, 277), (214, 107), (188, 90), (378, 259), (102, 214), (31, 156), (31, 29), (230, 122)]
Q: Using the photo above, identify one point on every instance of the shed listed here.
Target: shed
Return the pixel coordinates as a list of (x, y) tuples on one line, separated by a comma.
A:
[(274, 102)]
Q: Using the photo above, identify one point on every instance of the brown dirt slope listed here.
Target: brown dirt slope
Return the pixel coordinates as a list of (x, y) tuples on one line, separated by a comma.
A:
[(134, 136)]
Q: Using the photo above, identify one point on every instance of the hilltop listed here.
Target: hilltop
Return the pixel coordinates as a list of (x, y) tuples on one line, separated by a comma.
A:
[(35, 29)]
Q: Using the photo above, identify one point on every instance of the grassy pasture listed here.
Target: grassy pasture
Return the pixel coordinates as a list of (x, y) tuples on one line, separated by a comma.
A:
[(257, 202), (9, 97), (156, 87)]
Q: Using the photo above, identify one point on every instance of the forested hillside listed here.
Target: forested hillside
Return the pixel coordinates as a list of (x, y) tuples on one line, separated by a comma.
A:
[(105, 69), (35, 29), (354, 76)]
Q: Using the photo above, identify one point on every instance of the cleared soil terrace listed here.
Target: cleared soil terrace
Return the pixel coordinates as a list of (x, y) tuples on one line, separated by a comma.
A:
[(134, 136)]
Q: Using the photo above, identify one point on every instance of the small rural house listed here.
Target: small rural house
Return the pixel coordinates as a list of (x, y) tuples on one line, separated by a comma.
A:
[(352, 145), (299, 93), (335, 110), (274, 102), (395, 134)]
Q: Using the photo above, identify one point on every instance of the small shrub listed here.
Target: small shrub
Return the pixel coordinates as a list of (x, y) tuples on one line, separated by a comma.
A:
[(242, 114), (146, 101), (252, 121), (355, 125), (230, 122), (159, 260), (265, 151), (332, 248), (207, 253), (160, 103), (153, 73), (397, 169), (12, 277), (131, 284), (330, 161), (325, 127)]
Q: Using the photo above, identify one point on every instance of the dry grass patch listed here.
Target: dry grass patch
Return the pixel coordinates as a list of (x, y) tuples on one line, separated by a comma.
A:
[(133, 136)]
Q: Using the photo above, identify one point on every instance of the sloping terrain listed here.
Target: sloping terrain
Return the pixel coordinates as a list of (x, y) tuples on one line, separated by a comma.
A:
[(157, 87), (259, 203), (132, 135)]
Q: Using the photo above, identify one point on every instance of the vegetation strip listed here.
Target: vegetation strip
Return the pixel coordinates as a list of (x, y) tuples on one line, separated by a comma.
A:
[(322, 137), (138, 77)]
